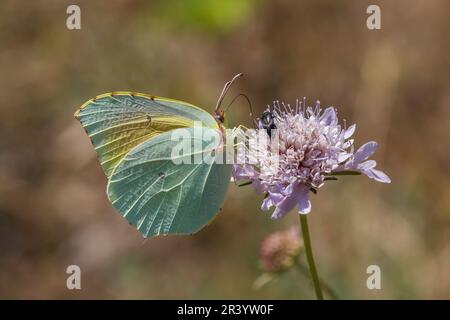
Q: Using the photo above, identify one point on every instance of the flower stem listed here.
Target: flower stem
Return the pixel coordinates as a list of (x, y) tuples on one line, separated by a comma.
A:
[(310, 257), (305, 271)]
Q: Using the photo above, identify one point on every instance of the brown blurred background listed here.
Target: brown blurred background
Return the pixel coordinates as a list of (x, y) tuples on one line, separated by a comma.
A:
[(394, 83)]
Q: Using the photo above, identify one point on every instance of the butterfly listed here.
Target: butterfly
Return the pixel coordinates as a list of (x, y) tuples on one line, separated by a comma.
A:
[(131, 133)]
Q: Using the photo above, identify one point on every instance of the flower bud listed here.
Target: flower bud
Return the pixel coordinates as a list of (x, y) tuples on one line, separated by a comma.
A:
[(280, 249)]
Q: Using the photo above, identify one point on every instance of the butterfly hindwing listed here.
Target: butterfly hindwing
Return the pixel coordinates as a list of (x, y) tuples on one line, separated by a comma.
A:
[(161, 197)]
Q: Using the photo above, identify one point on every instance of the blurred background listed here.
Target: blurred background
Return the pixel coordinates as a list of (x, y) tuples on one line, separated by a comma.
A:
[(394, 83)]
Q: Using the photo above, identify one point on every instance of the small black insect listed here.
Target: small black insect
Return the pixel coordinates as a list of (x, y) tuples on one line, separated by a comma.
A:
[(267, 121)]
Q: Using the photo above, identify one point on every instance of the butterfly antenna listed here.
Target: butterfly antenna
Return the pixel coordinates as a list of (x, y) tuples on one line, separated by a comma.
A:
[(246, 98), (225, 89)]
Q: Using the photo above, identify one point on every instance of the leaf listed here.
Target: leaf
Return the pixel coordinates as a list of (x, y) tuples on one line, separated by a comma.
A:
[(160, 197)]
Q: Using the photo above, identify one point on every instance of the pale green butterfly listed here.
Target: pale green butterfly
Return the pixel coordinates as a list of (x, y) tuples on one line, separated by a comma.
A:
[(131, 133)]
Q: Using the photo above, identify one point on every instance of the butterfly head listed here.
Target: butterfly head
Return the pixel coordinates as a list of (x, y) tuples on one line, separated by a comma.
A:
[(219, 115)]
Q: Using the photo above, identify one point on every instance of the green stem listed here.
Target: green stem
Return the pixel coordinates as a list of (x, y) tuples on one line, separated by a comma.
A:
[(327, 288), (310, 257)]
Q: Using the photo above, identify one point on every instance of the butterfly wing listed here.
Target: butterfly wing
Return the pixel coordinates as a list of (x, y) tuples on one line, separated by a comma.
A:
[(118, 122), (160, 197)]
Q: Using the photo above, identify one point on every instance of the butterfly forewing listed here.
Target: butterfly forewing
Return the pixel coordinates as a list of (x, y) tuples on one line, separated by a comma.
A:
[(118, 122)]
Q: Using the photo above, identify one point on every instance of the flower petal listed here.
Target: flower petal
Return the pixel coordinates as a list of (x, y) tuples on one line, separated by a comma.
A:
[(241, 172), (288, 202), (329, 116), (365, 151), (276, 197), (304, 205), (278, 213), (347, 144), (380, 176), (267, 204), (366, 165), (349, 132), (258, 186), (343, 156)]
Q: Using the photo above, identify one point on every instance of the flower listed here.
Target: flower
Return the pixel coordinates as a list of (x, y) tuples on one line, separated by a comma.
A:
[(306, 147), (279, 250)]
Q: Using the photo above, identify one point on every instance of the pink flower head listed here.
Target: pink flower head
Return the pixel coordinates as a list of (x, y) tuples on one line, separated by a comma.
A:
[(311, 147)]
